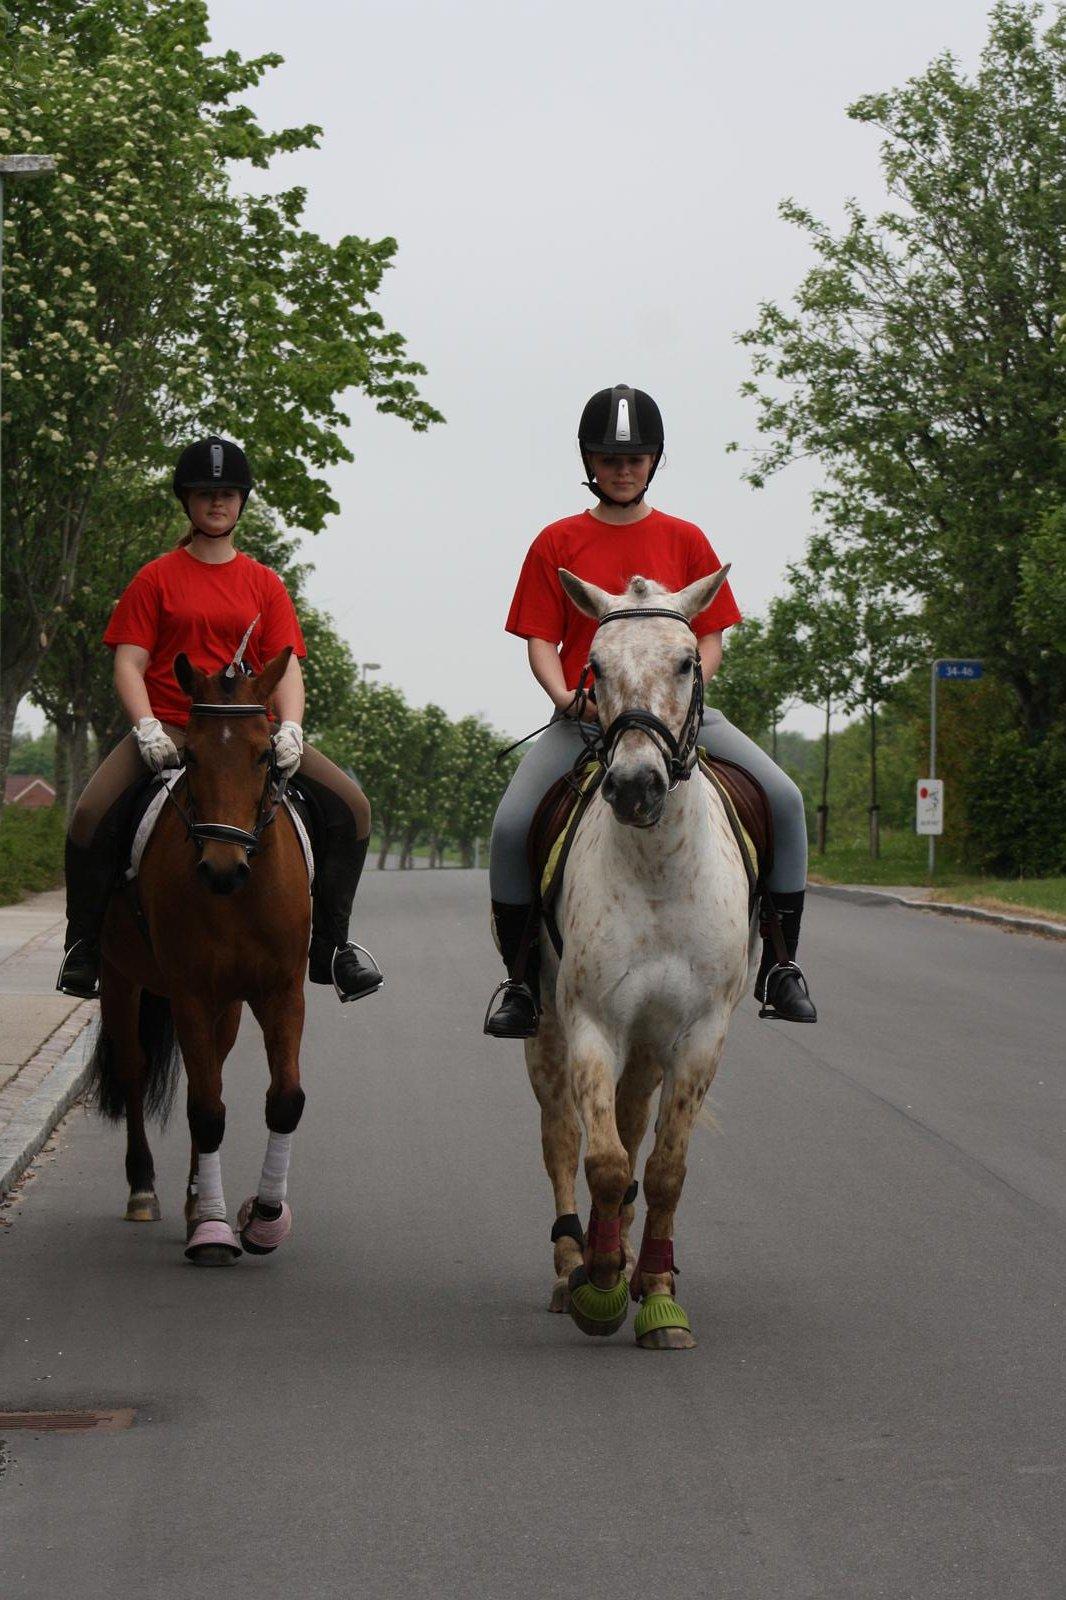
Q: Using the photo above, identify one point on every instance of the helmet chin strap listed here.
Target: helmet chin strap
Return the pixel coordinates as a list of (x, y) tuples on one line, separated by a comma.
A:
[(205, 533), (609, 500)]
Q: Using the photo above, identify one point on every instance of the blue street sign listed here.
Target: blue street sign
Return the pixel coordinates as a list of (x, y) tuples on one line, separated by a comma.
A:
[(959, 669)]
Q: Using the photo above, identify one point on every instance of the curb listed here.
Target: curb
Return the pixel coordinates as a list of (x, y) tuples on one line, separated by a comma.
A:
[(943, 908), (33, 1122)]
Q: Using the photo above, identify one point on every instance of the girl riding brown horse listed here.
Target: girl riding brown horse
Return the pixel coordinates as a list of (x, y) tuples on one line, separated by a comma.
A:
[(200, 599)]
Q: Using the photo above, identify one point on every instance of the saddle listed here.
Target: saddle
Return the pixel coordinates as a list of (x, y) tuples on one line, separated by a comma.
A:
[(556, 820)]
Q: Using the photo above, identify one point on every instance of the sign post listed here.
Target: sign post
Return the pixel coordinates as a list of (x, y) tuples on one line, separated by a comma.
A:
[(943, 667)]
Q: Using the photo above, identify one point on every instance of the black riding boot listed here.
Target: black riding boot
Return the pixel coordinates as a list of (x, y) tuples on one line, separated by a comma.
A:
[(783, 989), (518, 1015), (333, 958), (91, 873)]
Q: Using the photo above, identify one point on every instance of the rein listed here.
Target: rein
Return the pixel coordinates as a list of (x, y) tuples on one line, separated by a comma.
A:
[(201, 833), (678, 752)]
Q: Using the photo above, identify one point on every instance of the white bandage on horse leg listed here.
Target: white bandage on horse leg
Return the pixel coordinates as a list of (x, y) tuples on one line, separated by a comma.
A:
[(274, 1179), (210, 1201)]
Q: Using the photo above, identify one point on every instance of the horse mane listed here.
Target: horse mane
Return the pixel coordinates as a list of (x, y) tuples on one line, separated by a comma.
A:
[(641, 588)]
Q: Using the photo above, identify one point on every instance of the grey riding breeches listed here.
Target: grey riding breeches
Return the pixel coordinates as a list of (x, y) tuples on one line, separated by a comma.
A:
[(555, 753)]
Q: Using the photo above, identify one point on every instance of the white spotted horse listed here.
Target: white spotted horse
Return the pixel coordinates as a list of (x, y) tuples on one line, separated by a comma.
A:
[(658, 945)]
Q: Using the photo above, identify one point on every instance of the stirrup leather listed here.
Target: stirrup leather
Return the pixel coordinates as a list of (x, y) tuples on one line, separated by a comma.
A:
[(766, 1008), (345, 999)]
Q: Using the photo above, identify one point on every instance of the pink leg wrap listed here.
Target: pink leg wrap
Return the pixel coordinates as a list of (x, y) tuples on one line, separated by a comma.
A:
[(604, 1235), (266, 1232), (656, 1255), (213, 1233)]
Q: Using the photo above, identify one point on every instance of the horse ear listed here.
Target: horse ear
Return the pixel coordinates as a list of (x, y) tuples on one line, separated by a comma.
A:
[(267, 681), (189, 677), (592, 601), (698, 596)]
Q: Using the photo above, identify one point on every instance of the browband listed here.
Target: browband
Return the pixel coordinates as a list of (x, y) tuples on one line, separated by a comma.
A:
[(643, 611), (213, 709)]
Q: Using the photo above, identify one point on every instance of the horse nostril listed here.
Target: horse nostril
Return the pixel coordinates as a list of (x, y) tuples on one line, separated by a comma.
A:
[(610, 788)]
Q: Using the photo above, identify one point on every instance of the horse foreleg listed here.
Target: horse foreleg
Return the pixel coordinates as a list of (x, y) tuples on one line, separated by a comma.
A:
[(599, 1295), (265, 1219), (632, 1108), (120, 1005), (560, 1140), (661, 1322), (211, 1240)]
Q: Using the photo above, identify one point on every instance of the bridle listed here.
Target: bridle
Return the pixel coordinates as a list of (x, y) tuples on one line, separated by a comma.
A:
[(678, 753), (270, 801)]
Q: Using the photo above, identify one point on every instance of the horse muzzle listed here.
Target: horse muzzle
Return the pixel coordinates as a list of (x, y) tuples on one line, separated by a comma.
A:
[(636, 797), (223, 876)]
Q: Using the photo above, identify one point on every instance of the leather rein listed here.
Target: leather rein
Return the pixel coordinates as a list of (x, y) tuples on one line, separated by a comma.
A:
[(678, 752), (270, 801)]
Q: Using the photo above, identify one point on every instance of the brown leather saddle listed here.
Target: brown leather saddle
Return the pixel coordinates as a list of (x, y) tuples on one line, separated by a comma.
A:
[(556, 820)]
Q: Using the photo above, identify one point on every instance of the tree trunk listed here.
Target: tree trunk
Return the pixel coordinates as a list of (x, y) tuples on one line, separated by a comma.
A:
[(383, 853), (466, 852), (79, 758), (66, 794), (9, 702), (875, 809), (773, 737), (823, 809)]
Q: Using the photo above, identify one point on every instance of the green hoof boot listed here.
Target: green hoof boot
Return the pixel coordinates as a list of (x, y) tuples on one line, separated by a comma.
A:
[(662, 1324), (598, 1312)]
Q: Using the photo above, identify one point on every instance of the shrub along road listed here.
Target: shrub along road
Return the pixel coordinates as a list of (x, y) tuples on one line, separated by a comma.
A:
[(872, 1254)]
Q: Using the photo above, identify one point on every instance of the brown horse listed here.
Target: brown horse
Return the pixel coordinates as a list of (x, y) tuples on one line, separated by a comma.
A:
[(226, 917)]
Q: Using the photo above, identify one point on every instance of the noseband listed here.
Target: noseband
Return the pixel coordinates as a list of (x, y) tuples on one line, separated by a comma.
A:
[(201, 833), (678, 753)]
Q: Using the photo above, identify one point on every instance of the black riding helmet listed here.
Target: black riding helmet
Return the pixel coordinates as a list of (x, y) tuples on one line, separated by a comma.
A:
[(212, 463), (620, 422)]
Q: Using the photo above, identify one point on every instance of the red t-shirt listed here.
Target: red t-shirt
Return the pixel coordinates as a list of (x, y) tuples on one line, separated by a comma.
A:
[(178, 603), (672, 552)]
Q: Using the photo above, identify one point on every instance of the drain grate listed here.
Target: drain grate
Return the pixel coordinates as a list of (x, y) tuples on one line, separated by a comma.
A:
[(68, 1421)]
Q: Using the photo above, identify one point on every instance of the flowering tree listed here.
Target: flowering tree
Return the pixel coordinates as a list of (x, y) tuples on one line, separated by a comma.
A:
[(147, 300)]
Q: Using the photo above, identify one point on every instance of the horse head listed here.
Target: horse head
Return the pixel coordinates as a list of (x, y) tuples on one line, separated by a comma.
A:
[(228, 764), (646, 667)]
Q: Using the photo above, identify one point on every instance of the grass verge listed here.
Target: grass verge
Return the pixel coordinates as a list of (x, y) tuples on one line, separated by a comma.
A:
[(31, 851), (904, 860)]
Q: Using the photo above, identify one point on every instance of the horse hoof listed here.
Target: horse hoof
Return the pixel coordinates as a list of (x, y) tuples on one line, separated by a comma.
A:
[(560, 1300), (212, 1244), (143, 1207), (597, 1312), (261, 1235), (662, 1325)]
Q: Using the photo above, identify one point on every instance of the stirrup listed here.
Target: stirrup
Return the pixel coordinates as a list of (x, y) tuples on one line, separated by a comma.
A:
[(85, 991), (512, 985), (345, 999), (767, 1008)]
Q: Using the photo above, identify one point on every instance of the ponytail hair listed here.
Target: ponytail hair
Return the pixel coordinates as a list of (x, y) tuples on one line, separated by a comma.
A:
[(186, 538)]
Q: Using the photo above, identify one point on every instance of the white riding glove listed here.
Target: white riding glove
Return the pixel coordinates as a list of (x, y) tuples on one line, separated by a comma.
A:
[(157, 748), (288, 747)]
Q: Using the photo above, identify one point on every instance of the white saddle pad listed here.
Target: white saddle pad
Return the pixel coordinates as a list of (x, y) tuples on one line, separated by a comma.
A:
[(159, 800)]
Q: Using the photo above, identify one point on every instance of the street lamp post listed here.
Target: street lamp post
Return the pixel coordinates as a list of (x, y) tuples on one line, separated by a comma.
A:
[(368, 666)]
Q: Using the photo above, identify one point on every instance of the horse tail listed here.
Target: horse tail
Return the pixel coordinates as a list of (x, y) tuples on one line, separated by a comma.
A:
[(107, 1087)]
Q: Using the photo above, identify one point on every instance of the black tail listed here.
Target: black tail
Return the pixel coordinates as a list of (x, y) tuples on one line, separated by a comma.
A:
[(106, 1089)]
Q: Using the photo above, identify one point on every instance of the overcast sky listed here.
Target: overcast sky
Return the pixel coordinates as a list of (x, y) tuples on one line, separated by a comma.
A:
[(583, 194)]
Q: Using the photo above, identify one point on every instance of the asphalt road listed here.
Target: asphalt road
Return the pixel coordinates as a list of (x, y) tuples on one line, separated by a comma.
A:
[(872, 1254)]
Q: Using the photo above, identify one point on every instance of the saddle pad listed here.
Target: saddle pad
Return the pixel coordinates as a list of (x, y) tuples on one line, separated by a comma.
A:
[(158, 800), (556, 820)]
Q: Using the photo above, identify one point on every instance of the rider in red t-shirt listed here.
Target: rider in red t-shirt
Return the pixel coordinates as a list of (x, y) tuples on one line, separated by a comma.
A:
[(621, 441), (201, 599)]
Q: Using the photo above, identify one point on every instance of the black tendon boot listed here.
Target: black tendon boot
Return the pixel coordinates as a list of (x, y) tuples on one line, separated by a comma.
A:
[(783, 989), (90, 874), (333, 959), (517, 1016)]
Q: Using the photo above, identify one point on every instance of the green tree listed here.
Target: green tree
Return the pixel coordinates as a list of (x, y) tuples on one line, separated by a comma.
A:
[(921, 362), (147, 300), (752, 687), (477, 782), (374, 739)]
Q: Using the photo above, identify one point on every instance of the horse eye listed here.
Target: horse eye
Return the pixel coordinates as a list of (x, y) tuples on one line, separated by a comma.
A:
[(685, 666), (265, 757)]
